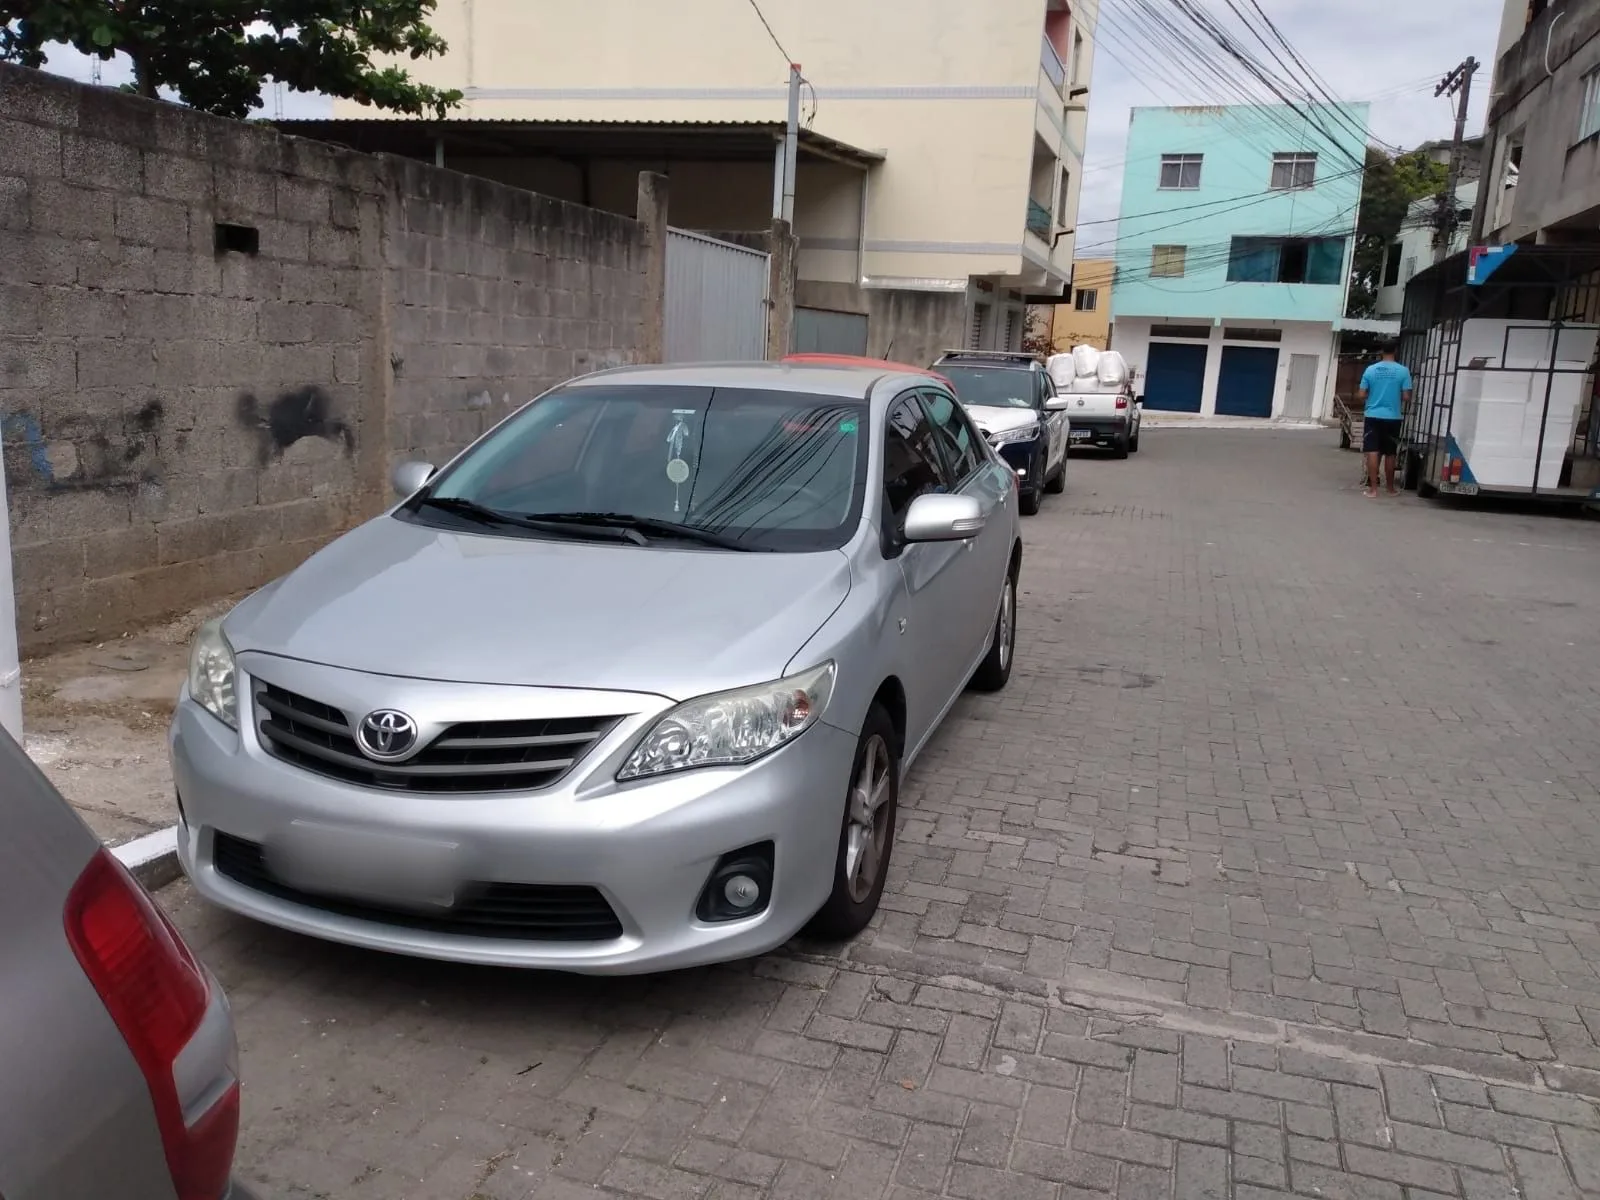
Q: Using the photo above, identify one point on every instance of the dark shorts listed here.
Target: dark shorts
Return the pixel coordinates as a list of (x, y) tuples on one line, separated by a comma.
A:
[(1380, 436)]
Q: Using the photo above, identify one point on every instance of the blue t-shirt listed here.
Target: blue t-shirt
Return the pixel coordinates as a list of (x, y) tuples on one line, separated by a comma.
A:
[(1383, 383)]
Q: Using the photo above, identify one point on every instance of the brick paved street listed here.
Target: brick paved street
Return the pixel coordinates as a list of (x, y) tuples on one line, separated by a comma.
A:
[(1276, 871)]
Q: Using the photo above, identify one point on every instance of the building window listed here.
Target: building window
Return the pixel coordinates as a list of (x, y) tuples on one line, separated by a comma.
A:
[(1286, 260), (1066, 195), (1391, 265), (1249, 334), (1167, 262), (1589, 114), (1087, 299), (1198, 332), (1180, 172), (1291, 171)]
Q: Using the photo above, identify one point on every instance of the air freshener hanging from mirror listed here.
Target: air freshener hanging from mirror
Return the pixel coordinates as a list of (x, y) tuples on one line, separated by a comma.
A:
[(677, 466)]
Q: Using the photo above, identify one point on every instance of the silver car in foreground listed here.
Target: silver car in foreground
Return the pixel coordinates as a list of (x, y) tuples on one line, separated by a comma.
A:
[(628, 686), (119, 1074)]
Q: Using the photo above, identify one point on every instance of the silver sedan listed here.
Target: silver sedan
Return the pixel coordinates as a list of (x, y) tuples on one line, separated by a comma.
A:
[(629, 685)]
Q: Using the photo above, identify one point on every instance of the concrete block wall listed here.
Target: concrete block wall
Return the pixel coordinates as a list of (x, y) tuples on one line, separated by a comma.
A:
[(497, 295), (183, 417)]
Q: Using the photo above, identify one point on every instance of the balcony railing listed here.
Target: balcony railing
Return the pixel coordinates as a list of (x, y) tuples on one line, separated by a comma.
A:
[(1039, 219), (1052, 64)]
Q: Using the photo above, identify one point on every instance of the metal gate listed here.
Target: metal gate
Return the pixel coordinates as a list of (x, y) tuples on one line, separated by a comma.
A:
[(716, 300), (1248, 381), (1174, 377), (823, 331)]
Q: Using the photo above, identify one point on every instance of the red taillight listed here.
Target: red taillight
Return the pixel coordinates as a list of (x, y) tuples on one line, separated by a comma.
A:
[(1122, 402), (157, 996)]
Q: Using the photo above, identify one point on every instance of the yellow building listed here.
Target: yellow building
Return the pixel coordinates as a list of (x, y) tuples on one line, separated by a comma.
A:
[(1085, 319), (943, 139)]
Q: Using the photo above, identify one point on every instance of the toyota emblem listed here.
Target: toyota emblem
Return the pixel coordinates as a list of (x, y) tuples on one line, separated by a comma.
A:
[(386, 735)]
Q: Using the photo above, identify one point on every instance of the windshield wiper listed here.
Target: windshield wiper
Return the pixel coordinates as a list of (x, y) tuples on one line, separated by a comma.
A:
[(557, 524), (642, 525)]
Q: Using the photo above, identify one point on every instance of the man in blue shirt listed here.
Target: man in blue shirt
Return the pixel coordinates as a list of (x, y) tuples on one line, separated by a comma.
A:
[(1386, 387)]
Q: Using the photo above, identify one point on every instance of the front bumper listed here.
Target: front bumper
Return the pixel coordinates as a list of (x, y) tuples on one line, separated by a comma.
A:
[(1097, 430), (648, 848)]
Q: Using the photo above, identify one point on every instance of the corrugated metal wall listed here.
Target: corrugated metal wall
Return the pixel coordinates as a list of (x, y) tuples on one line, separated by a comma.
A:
[(716, 300), (821, 330)]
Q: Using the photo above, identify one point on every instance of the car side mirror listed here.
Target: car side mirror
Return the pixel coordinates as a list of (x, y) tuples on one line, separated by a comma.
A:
[(943, 518), (1055, 403), (409, 478)]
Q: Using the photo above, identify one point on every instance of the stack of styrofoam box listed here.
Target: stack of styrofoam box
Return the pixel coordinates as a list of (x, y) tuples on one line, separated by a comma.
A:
[(1498, 413)]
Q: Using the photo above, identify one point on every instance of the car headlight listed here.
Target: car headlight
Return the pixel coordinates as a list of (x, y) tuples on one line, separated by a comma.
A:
[(1009, 437), (211, 674), (731, 728)]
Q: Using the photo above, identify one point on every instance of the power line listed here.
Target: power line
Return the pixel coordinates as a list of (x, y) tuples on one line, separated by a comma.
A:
[(767, 25)]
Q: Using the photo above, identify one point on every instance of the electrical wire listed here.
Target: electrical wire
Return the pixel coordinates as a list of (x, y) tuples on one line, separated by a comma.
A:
[(767, 25)]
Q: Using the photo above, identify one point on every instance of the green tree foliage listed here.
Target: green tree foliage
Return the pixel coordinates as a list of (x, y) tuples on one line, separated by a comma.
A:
[(218, 55), (1389, 187)]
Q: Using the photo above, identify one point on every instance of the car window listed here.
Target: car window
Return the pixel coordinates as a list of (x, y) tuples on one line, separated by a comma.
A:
[(912, 465), (777, 470), (957, 438), (992, 387)]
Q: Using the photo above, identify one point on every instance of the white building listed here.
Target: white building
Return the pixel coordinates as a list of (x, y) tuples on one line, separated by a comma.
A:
[(1413, 250), (938, 183)]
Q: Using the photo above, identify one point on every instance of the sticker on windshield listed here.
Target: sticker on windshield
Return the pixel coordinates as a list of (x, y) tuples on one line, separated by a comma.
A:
[(678, 471), (848, 426)]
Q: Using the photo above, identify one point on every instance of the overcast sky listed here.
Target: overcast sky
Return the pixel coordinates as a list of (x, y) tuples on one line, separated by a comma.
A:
[(1391, 52)]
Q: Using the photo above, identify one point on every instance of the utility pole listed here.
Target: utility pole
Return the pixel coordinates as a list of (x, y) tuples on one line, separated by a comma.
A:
[(1458, 84), (791, 144)]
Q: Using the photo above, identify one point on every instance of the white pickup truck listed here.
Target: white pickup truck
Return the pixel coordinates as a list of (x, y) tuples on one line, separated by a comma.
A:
[(1098, 387)]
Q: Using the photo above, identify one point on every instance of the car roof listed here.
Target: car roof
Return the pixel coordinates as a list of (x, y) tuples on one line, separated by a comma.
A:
[(814, 378), (1015, 360)]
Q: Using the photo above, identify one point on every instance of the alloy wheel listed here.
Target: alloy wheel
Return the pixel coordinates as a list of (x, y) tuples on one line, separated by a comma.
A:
[(1008, 605), (867, 838)]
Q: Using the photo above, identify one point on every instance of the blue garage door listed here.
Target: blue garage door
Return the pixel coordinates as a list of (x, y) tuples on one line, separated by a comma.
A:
[(1248, 381), (1174, 377)]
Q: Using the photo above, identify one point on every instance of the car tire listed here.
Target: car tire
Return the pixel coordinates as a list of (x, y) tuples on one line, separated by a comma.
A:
[(1133, 442), (866, 837), (994, 672), (1058, 481), (1031, 501), (1120, 450)]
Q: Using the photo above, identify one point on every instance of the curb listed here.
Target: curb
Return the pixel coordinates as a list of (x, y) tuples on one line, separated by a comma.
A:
[(153, 858)]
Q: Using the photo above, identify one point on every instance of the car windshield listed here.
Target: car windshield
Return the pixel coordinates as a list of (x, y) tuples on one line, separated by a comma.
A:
[(991, 387), (751, 469)]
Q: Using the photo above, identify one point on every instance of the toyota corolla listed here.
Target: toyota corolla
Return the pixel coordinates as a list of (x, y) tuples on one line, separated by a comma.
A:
[(627, 686)]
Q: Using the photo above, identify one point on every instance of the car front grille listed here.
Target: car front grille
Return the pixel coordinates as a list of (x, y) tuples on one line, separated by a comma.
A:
[(476, 756), (512, 911)]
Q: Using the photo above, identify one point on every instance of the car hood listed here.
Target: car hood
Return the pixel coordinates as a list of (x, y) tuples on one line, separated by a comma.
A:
[(394, 598), (998, 420)]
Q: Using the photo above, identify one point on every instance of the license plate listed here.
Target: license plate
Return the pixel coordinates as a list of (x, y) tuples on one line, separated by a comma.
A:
[(1459, 489), (1082, 435), (364, 864)]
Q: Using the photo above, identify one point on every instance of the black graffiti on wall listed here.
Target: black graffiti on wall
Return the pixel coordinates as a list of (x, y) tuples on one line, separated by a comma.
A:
[(292, 416)]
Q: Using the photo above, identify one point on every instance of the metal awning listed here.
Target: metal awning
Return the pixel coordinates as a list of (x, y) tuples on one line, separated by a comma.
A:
[(697, 141)]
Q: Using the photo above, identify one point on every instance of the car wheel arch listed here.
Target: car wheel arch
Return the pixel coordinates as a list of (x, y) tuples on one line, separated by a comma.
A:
[(891, 696)]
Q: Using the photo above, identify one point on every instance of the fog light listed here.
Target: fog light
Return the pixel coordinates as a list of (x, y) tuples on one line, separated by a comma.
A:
[(740, 885), (741, 891)]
